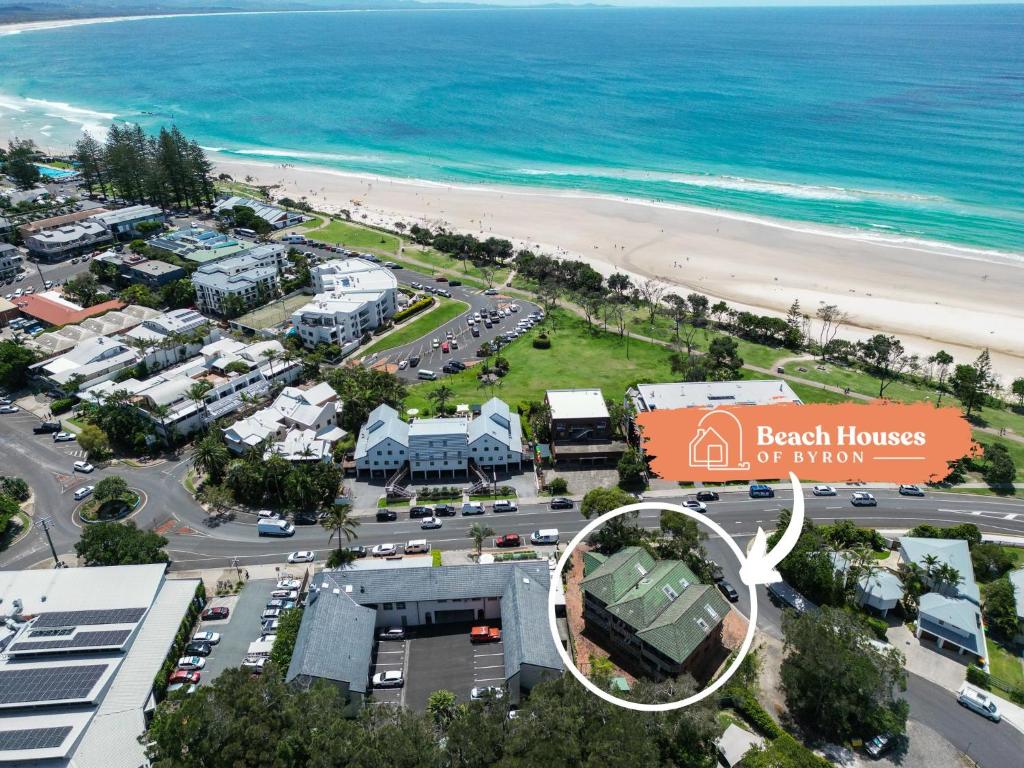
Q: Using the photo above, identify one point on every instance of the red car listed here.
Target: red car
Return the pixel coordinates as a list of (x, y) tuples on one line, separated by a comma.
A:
[(507, 540), (220, 612), (445, 347), (183, 676), (484, 635)]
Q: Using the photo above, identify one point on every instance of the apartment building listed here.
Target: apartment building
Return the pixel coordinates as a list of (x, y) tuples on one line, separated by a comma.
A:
[(252, 276), (353, 297)]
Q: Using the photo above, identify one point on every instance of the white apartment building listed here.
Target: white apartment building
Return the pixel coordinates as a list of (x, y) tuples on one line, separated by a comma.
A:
[(300, 425), (354, 296), (252, 275)]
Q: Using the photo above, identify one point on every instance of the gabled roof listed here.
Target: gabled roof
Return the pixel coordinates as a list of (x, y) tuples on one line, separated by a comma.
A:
[(642, 604), (497, 420), (592, 559), (382, 423), (525, 628), (684, 624), (953, 552), (938, 613), (332, 616), (618, 573)]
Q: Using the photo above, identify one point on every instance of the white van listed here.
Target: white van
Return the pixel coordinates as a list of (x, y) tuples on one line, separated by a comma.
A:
[(423, 373), (544, 536), (417, 547), (978, 701), (298, 239)]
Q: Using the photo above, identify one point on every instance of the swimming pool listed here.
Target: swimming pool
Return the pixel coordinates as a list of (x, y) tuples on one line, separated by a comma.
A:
[(54, 173)]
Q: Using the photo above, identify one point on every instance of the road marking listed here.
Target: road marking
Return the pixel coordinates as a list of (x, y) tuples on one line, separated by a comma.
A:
[(1011, 516), (480, 655), (493, 666), (486, 679)]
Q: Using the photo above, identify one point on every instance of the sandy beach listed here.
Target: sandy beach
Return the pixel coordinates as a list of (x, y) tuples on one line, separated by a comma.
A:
[(931, 295)]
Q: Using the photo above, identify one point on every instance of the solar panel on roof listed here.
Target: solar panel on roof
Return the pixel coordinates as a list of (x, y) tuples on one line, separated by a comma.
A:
[(48, 683), (81, 618), (33, 738), (114, 637)]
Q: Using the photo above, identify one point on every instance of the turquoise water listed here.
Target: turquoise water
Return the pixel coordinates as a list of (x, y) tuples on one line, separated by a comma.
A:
[(901, 121)]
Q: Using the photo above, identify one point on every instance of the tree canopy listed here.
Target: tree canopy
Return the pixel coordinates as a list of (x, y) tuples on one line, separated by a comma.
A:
[(14, 362), (362, 390), (120, 544)]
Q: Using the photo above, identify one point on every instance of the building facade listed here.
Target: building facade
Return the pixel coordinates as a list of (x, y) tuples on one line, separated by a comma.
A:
[(252, 277)]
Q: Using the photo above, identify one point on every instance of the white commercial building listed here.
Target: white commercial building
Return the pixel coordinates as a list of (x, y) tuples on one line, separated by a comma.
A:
[(232, 370), (82, 649), (253, 276), (708, 394), (124, 222), (300, 425), (276, 217), (354, 296)]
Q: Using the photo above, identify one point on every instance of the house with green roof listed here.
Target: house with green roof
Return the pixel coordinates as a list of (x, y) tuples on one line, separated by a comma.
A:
[(656, 613)]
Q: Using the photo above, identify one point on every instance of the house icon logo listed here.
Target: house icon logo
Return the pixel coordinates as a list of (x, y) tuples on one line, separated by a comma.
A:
[(718, 444)]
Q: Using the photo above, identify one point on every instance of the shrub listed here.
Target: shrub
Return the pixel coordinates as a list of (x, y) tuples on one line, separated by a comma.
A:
[(979, 677), (558, 486), (412, 309), (744, 702), (542, 342), (876, 625), (63, 404), (435, 558)]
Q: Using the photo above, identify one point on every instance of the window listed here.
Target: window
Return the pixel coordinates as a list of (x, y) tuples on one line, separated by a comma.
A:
[(684, 583), (711, 612), (387, 606), (641, 570), (400, 606), (669, 592), (702, 624)]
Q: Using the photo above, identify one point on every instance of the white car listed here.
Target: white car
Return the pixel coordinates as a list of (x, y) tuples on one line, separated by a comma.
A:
[(84, 491), (63, 437), (304, 556), (191, 662), (254, 664), (863, 499), (823, 490), (271, 613), (83, 466), (429, 523), (491, 292), (402, 365), (181, 686), (289, 584), (700, 506), (48, 283), (8, 409), (435, 343), (390, 679), (285, 594), (266, 514), (384, 550), (207, 637), (486, 691)]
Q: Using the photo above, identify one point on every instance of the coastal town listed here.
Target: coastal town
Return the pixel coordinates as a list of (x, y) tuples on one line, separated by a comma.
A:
[(268, 464)]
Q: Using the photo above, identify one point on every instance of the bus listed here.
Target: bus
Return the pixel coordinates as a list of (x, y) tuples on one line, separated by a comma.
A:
[(243, 232)]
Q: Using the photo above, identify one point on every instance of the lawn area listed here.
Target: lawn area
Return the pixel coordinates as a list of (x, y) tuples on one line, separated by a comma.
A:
[(1004, 664), (355, 236), (241, 189), (859, 381), (578, 357), (274, 313), (312, 223), (419, 325), (462, 266), (811, 394), (1015, 449)]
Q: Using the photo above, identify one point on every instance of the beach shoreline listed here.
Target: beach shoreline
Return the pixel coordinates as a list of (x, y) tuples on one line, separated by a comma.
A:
[(931, 295)]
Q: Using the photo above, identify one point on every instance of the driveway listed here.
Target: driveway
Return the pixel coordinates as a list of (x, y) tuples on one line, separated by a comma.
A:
[(924, 658), (242, 627), (442, 657)]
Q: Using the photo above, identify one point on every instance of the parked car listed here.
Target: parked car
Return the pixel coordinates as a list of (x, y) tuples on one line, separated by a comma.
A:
[(414, 361), (254, 664), (823, 490), (176, 687), (420, 511), (83, 466), (384, 550), (285, 594), (491, 292), (504, 505), (403, 364), (219, 612), (8, 409), (472, 508), (445, 348), (183, 677), (84, 491), (760, 490), (191, 662), (63, 437), (707, 496), (978, 701), (430, 523), (485, 634), (270, 626), (302, 556), (561, 502), (267, 514), (207, 637), (44, 427), (392, 633), (880, 744), (507, 540), (359, 550), (390, 679), (482, 692), (270, 613), (863, 499), (386, 515), (910, 490), (275, 602), (700, 506), (199, 648), (444, 510), (729, 591)]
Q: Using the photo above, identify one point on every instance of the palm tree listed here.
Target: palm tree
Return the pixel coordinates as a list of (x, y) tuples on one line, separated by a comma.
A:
[(946, 577), (211, 457), (478, 532), (301, 488), (931, 563), (339, 521), (161, 411), (197, 394), (270, 356), (440, 397)]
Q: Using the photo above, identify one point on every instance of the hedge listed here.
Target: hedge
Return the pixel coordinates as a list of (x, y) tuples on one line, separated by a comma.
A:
[(744, 702), (435, 558), (63, 405), (412, 309), (542, 342), (181, 639), (978, 676)]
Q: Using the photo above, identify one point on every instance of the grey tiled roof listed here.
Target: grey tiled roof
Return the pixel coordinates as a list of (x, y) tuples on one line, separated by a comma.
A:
[(335, 641), (448, 582), (526, 629)]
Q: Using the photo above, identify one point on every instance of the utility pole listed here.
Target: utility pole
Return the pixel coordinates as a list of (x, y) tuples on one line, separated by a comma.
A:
[(45, 523)]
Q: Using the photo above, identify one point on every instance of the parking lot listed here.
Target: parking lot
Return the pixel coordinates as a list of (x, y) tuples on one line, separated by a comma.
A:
[(438, 657)]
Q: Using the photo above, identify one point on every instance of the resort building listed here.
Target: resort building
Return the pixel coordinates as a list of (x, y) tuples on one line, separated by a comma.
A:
[(354, 296), (82, 650), (253, 277), (347, 607), (445, 447), (201, 246), (277, 218), (581, 428), (226, 370), (90, 362), (123, 224), (656, 614), (949, 615), (300, 425), (708, 394), (67, 240), (51, 308), (11, 261)]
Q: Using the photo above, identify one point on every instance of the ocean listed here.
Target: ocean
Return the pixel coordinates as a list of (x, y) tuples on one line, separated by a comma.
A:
[(907, 122)]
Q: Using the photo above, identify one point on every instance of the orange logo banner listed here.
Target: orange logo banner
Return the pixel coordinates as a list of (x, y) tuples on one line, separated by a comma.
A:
[(878, 442)]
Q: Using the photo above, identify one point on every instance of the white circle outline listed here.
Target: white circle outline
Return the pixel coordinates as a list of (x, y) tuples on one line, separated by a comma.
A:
[(607, 696)]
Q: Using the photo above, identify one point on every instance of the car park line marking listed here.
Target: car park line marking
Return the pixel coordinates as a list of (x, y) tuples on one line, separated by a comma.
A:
[(493, 666), (1011, 516), (486, 679), (479, 655), (833, 507)]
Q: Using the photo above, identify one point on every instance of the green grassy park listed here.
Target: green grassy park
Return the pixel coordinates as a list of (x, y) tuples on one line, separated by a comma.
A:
[(420, 325), (355, 236)]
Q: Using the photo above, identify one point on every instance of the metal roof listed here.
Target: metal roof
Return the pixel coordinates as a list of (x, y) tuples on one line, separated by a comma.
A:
[(707, 394), (686, 621), (577, 404), (953, 552), (335, 640), (614, 577), (525, 628), (447, 582)]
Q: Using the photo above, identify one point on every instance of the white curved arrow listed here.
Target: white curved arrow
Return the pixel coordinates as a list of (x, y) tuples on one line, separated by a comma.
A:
[(759, 565)]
